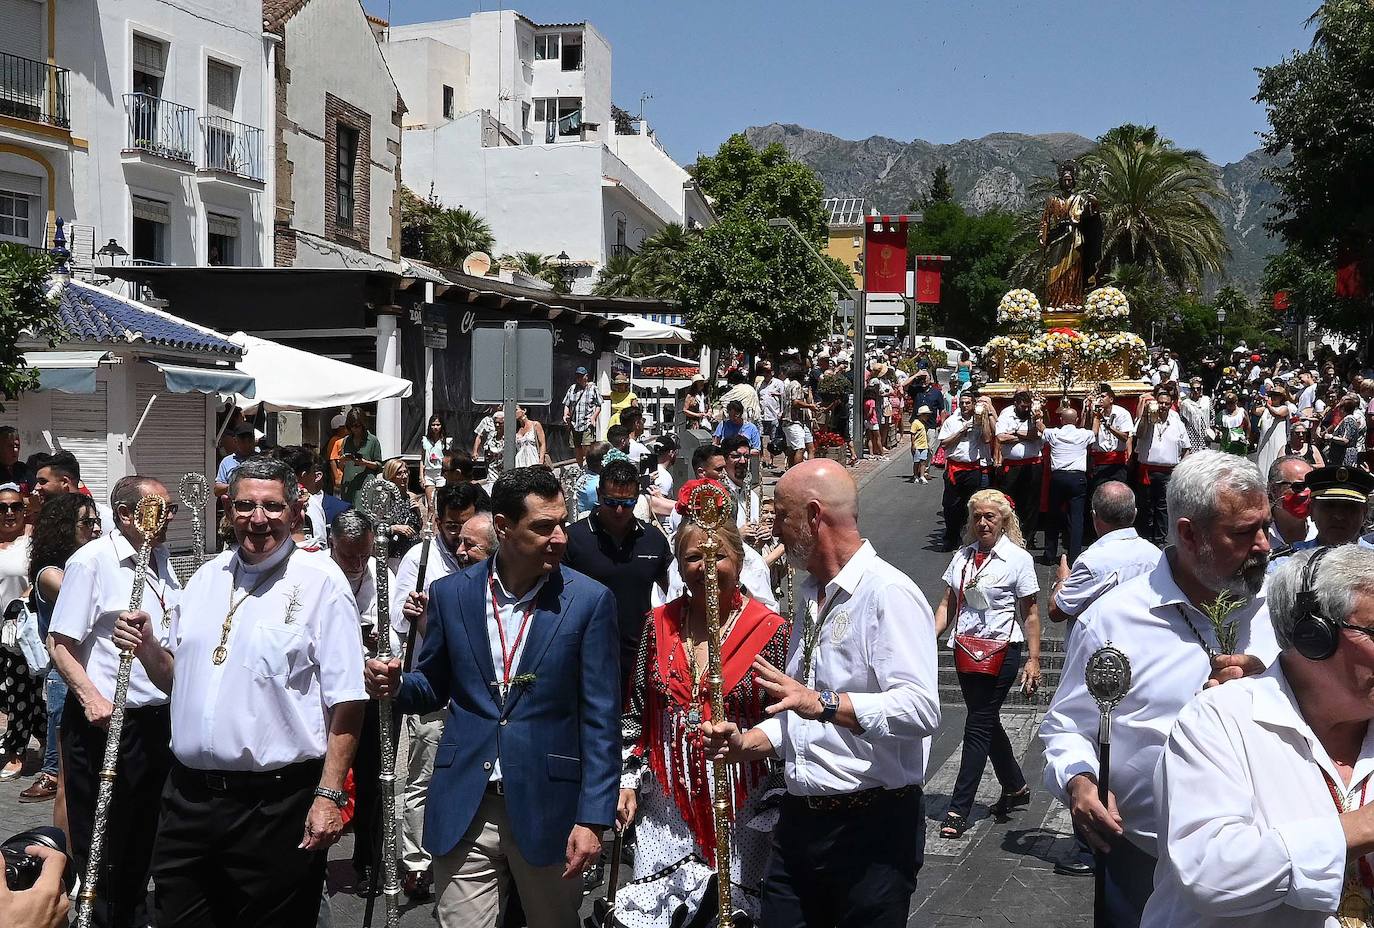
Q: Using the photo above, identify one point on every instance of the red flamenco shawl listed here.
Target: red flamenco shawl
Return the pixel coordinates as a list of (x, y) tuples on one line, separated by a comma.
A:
[(673, 745)]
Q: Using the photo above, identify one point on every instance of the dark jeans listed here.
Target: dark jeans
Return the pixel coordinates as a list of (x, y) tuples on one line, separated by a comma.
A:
[(1022, 484), (958, 489), (1068, 493), (144, 756), (54, 695), (984, 735), (1130, 880), (1158, 495), (230, 858), (849, 868)]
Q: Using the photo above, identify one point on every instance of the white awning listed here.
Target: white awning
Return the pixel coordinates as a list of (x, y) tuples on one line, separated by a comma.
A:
[(223, 380), (645, 330), (66, 371), (288, 378)]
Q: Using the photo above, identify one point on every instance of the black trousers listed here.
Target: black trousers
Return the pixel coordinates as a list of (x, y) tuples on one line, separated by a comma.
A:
[(367, 792), (850, 868), (1157, 494), (1102, 473), (984, 736), (1022, 484), (228, 855), (1068, 493), (958, 489), (144, 756)]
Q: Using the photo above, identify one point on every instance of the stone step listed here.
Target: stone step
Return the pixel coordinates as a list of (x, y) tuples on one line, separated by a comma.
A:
[(1016, 700), (1049, 679), (1048, 661)]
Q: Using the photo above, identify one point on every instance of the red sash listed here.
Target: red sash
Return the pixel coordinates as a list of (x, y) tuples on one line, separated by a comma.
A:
[(1148, 469), (752, 631), (1107, 458), (959, 467)]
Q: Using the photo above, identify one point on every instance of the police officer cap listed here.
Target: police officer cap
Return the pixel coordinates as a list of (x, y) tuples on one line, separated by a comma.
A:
[(1348, 484)]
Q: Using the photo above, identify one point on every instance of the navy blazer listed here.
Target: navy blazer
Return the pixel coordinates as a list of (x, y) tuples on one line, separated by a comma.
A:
[(558, 738)]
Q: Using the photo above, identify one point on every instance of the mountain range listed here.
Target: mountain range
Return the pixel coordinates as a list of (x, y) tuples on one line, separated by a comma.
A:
[(995, 171)]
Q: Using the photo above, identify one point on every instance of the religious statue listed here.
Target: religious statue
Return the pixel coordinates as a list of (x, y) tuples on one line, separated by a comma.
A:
[(1069, 233)]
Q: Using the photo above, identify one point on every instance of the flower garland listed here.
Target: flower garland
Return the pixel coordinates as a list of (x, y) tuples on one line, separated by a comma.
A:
[(1019, 311)]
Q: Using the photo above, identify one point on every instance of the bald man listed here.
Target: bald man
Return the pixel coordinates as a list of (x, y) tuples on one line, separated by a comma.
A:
[(1068, 446), (849, 718)]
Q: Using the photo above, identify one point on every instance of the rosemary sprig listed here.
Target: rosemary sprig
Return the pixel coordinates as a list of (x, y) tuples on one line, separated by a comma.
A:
[(1217, 612), (522, 680)]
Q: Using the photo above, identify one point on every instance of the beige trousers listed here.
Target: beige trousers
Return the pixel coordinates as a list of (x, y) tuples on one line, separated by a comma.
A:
[(424, 732), (472, 883)]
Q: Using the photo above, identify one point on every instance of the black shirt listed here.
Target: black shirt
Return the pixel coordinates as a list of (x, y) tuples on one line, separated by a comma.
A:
[(628, 570), (17, 473)]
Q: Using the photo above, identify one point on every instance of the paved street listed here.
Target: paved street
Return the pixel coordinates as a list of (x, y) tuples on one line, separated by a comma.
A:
[(998, 873)]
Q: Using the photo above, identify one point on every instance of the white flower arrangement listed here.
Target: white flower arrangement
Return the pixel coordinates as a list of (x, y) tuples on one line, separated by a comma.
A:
[(1126, 346), (1107, 306), (1019, 310)]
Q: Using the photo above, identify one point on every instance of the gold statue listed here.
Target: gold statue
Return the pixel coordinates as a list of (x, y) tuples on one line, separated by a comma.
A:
[(1070, 237)]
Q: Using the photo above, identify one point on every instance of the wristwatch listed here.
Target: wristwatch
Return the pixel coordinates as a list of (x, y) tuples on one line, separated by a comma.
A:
[(830, 704), (336, 796)]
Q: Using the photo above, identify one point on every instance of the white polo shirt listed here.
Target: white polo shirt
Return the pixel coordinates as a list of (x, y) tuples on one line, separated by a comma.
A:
[(1024, 447), (1105, 440), (1006, 574), (1163, 443), (1069, 448), (96, 587), (1249, 832), (1147, 618), (294, 652), (1110, 561), (969, 449)]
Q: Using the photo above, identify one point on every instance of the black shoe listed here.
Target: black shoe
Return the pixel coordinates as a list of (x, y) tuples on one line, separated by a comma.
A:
[(1073, 868), (1003, 806), (593, 877), (366, 884)]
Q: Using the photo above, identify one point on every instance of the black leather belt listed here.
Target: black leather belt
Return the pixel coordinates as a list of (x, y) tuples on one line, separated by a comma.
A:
[(290, 777), (857, 800)]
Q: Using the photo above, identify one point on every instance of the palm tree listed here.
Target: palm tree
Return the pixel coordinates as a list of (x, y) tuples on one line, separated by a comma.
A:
[(1156, 203), (621, 275), (659, 260), (453, 234)]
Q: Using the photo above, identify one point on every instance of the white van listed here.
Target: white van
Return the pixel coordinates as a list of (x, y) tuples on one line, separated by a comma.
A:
[(952, 347)]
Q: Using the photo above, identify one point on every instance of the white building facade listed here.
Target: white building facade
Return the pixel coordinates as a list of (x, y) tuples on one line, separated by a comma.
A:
[(513, 119)]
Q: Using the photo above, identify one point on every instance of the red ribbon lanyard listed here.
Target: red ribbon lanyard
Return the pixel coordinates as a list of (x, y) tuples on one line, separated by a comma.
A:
[(1366, 872), (963, 579), (507, 657)]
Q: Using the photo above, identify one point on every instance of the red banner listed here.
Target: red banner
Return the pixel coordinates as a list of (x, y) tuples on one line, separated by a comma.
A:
[(928, 277), (1281, 301), (884, 257)]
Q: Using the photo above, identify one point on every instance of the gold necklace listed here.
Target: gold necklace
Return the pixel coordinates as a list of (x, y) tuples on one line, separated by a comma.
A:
[(222, 652), (690, 644)]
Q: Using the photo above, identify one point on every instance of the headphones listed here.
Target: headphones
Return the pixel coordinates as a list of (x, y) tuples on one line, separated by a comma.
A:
[(1314, 635)]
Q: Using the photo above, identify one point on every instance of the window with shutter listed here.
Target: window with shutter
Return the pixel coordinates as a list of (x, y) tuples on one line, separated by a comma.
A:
[(150, 66), (219, 89), (21, 30), (347, 152)]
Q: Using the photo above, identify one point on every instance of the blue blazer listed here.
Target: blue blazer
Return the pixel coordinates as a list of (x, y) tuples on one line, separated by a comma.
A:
[(558, 739)]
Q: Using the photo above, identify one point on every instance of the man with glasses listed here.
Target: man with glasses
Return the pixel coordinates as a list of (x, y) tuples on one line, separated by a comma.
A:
[(626, 555), (96, 587), (264, 658), (738, 457), (456, 504), (1290, 504)]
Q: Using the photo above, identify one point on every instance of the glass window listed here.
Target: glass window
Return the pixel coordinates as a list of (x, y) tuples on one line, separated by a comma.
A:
[(222, 240), (572, 53), (546, 47), (448, 102), (14, 215), (346, 150), (525, 116)]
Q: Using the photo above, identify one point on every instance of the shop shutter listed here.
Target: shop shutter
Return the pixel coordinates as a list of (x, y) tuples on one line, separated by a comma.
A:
[(170, 445), (151, 210), (79, 426)]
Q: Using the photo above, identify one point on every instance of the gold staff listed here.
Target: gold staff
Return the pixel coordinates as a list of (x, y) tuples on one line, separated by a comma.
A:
[(379, 501), (150, 515), (709, 507)]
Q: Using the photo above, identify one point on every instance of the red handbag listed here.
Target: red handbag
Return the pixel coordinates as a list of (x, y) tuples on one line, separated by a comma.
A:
[(979, 655)]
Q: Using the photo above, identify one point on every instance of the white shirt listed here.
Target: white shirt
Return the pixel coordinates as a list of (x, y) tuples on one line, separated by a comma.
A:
[(877, 644), (663, 480), (1250, 831), (637, 451), (771, 399), (1007, 574), (1144, 618), (365, 595), (1162, 443), (1307, 397), (441, 563), (969, 449), (319, 527), (1277, 541), (1108, 562), (1069, 448), (1120, 419), (512, 612), (96, 587), (1023, 448), (754, 579), (294, 652), (746, 504)]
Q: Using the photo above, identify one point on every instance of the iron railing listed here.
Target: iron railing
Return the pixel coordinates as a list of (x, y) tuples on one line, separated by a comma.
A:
[(34, 90), (232, 147), (160, 127)]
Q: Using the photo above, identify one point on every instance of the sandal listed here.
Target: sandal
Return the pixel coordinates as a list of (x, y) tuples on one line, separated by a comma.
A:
[(955, 825), (12, 770), (1010, 801)]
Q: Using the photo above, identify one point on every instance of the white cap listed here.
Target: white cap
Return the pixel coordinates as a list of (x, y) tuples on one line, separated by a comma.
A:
[(337, 422)]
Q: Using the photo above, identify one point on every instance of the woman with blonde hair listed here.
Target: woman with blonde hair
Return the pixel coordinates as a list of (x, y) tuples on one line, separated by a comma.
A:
[(408, 519), (667, 776), (989, 581)]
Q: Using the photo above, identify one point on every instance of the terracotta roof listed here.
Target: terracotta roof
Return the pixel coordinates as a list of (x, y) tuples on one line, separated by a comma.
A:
[(275, 13)]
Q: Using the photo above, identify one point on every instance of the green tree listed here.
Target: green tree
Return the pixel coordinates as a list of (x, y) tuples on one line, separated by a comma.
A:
[(621, 275), (26, 312), (940, 189), (748, 285), (1310, 282), (417, 213), (1156, 202), (981, 248), (765, 184), (659, 260), (455, 233)]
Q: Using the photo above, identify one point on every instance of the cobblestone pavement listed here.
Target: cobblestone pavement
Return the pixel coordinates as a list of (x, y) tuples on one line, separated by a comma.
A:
[(998, 873)]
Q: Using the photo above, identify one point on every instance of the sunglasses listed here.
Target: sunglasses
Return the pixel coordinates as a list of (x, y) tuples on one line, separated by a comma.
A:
[(8, 508), (246, 507), (615, 501)]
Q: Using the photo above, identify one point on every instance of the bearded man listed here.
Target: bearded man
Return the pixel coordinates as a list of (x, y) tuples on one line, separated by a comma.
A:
[(1215, 565)]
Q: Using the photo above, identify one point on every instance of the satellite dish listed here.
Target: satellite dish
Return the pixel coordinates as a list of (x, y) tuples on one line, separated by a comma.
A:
[(477, 264)]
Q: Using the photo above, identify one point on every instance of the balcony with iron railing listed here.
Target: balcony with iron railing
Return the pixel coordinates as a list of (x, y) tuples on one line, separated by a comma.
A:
[(160, 128), (231, 147), (34, 90)]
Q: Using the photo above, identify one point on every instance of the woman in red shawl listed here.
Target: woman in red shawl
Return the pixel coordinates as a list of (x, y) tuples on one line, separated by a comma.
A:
[(667, 776)]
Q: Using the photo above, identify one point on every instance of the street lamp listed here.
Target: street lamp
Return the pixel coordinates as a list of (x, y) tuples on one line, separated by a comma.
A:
[(112, 249), (1221, 323), (858, 366), (567, 272)]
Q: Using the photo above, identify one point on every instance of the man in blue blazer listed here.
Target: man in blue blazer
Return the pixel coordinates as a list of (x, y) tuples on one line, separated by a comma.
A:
[(524, 652)]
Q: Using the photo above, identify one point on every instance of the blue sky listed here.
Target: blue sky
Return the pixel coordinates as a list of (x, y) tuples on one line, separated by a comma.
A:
[(941, 71)]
